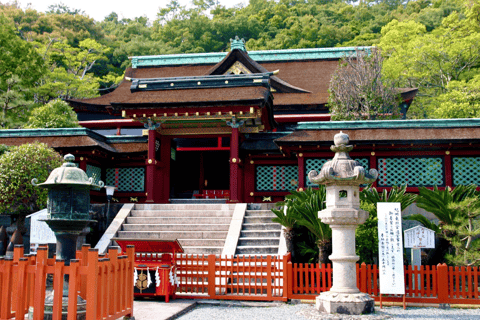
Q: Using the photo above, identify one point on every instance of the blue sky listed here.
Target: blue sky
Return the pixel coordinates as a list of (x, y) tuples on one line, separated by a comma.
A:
[(99, 9)]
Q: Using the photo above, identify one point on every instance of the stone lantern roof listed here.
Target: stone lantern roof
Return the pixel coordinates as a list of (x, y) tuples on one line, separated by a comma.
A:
[(342, 170)]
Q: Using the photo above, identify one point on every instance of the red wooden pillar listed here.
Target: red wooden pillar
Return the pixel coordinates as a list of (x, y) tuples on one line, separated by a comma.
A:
[(83, 164), (234, 165), (448, 170), (164, 172), (151, 167), (249, 186), (301, 172)]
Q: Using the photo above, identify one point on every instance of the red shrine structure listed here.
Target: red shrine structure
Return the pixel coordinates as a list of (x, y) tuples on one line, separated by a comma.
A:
[(245, 127)]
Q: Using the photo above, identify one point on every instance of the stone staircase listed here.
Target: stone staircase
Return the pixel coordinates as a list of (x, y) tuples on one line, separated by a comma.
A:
[(200, 228), (259, 235)]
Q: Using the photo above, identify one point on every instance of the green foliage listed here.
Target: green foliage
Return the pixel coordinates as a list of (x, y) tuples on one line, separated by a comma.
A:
[(462, 100), (432, 60), (302, 216), (3, 149), (55, 114), (18, 167), (20, 68), (14, 104), (438, 201), (464, 234), (367, 233)]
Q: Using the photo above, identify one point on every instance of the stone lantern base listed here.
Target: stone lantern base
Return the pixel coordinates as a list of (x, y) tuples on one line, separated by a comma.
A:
[(345, 303)]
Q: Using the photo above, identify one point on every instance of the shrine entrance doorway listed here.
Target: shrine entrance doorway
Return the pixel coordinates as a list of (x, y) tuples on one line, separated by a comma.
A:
[(194, 170)]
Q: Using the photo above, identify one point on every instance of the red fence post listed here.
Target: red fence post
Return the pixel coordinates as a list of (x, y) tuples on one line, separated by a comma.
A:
[(211, 276), (92, 284), (40, 285), (363, 278), (287, 275), (442, 285)]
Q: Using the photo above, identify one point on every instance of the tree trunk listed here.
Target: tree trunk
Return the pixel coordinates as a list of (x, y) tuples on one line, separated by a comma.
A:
[(289, 234), (324, 250)]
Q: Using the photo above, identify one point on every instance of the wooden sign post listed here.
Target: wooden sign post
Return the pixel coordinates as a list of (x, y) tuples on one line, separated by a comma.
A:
[(417, 238), (390, 249)]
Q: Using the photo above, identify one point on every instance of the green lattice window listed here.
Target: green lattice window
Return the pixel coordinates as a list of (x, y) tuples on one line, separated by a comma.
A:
[(95, 173), (413, 171), (316, 164), (276, 178), (465, 170), (126, 179)]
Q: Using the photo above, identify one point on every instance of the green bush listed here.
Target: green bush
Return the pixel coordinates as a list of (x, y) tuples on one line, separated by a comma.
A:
[(18, 167)]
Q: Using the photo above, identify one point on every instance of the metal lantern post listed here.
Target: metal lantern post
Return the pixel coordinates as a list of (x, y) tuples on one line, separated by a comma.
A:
[(68, 205), (68, 210)]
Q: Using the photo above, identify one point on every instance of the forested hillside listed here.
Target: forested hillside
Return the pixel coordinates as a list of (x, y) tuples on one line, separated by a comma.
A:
[(432, 45)]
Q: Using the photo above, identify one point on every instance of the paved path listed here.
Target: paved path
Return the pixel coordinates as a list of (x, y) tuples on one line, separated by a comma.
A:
[(224, 309)]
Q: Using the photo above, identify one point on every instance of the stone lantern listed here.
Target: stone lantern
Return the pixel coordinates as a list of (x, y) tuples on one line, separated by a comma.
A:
[(342, 178), (68, 205)]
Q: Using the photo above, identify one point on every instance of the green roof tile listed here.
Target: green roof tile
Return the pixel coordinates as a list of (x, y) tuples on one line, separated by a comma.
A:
[(258, 56), (384, 124)]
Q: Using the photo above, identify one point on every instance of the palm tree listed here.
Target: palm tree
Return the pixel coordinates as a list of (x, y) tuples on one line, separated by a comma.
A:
[(306, 206), (285, 216), (438, 202)]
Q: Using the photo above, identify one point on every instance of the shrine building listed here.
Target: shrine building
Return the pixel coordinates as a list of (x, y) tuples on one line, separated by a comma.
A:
[(245, 127)]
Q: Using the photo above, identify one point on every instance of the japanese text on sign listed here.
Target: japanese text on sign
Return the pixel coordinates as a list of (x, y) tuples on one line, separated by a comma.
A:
[(419, 237), (390, 249)]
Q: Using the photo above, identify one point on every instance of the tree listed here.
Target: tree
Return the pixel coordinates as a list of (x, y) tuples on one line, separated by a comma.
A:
[(359, 91), (442, 203), (302, 210), (20, 69), (13, 104), (464, 235), (18, 167), (429, 61), (55, 114), (285, 217), (462, 100)]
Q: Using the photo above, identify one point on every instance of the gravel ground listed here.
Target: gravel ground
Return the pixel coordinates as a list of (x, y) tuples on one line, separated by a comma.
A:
[(307, 311)]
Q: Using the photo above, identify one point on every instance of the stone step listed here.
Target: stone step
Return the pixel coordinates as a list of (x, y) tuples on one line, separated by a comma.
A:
[(264, 213), (261, 226), (201, 242), (260, 233), (257, 250), (175, 227), (172, 235), (244, 241), (195, 206), (181, 213), (202, 250), (179, 220), (257, 219)]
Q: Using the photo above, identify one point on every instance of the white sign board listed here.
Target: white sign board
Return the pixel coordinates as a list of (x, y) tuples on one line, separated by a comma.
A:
[(40, 232), (419, 237), (390, 249)]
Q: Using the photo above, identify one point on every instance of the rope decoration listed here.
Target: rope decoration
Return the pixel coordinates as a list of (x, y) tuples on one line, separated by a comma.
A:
[(149, 278), (135, 276), (157, 278)]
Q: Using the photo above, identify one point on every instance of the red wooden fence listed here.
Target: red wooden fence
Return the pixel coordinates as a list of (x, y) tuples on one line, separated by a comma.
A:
[(429, 284), (276, 278), (105, 282), (238, 278)]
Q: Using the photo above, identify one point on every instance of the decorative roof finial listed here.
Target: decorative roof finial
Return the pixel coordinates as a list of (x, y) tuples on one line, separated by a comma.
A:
[(237, 43)]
